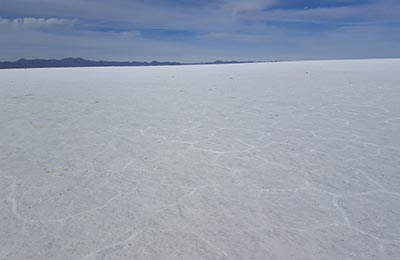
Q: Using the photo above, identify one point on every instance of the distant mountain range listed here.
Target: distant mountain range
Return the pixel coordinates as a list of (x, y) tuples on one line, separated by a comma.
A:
[(79, 62)]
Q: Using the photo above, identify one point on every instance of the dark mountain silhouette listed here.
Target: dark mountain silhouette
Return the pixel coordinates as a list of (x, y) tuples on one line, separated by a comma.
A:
[(79, 62)]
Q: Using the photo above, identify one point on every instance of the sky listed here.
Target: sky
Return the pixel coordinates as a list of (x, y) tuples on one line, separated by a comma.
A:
[(199, 30)]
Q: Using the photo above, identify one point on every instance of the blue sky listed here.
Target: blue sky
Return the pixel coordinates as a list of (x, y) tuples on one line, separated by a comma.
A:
[(199, 30)]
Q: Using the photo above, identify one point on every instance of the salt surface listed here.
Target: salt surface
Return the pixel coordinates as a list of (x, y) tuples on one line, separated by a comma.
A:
[(294, 160)]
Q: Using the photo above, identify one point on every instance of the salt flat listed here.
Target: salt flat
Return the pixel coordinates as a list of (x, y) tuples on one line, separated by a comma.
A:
[(293, 160)]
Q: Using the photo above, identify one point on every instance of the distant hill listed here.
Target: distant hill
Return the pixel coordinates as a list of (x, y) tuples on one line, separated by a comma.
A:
[(79, 62)]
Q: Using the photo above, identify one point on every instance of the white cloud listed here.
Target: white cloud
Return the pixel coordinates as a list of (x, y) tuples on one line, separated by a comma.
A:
[(35, 24), (235, 36), (239, 6), (357, 14)]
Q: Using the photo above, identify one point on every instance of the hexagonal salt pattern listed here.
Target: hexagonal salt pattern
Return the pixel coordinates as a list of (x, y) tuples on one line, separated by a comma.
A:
[(377, 214), (296, 160)]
